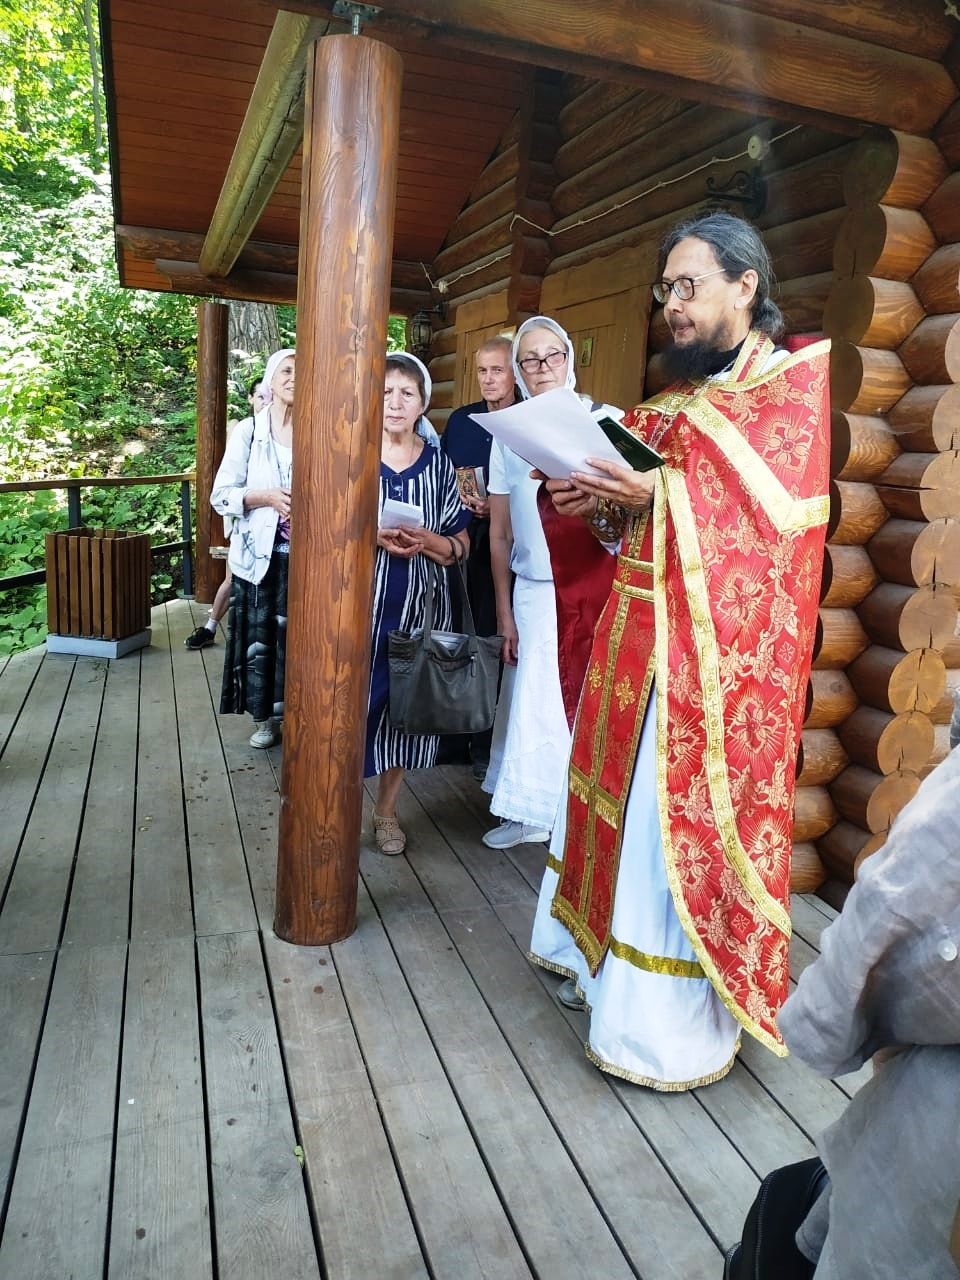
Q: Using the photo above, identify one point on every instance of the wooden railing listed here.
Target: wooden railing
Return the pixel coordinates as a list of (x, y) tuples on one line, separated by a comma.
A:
[(74, 484)]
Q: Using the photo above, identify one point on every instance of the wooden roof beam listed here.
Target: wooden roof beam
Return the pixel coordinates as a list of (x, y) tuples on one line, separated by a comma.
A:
[(272, 130), (697, 49)]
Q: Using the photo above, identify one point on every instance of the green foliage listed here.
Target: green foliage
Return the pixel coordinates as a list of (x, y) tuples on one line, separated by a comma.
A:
[(396, 334)]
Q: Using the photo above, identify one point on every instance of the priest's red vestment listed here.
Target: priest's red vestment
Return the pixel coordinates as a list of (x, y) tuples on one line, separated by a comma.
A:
[(713, 606)]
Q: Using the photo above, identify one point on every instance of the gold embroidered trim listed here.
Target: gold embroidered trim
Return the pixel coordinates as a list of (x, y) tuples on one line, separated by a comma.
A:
[(549, 965), (645, 566), (669, 853), (553, 864), (637, 593), (661, 1086), (706, 640), (787, 514), (666, 965)]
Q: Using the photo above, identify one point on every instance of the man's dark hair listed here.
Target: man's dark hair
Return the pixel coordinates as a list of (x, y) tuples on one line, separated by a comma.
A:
[(253, 386), (738, 247), (403, 364)]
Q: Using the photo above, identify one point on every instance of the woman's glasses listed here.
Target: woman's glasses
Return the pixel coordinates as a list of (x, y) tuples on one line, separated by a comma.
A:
[(684, 286), (533, 364)]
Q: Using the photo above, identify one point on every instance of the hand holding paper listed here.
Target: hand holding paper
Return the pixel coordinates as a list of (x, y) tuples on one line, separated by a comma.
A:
[(556, 433)]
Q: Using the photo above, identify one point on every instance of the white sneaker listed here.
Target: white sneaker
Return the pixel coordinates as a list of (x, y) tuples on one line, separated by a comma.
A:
[(265, 734), (510, 833)]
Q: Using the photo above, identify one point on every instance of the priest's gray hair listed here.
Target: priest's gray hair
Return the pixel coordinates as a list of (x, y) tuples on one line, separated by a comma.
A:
[(738, 247)]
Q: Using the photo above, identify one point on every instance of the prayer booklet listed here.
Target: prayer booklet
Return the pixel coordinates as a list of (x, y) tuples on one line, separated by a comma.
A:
[(556, 432), (471, 482), (401, 515)]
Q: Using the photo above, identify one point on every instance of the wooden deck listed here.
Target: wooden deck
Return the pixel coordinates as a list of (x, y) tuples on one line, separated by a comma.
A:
[(182, 1095)]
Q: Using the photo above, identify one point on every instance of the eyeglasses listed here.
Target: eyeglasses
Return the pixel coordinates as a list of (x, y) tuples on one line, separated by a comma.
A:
[(684, 286), (533, 364)]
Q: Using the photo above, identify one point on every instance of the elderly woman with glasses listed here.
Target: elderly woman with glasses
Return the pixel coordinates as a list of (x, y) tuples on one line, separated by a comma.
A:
[(531, 737)]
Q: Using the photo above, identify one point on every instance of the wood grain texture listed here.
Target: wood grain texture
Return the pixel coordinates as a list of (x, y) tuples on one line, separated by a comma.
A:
[(905, 617), (363, 1219), (922, 486), (872, 312), (161, 1209), (872, 801), (814, 813), (706, 47), (259, 1198), (842, 845), (24, 984), (823, 757), (895, 168), (892, 680), (917, 552), (856, 512), (931, 353), (942, 210), (884, 742), (937, 283), (840, 639), (848, 575), (32, 913), (66, 1153), (212, 328), (99, 905), (862, 446), (879, 240), (866, 380), (927, 419), (349, 176)]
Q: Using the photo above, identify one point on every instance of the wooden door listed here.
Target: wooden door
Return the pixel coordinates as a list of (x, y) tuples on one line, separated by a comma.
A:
[(605, 307), (476, 322)]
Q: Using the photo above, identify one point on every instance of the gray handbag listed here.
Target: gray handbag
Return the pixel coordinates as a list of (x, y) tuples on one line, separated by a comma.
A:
[(443, 681)]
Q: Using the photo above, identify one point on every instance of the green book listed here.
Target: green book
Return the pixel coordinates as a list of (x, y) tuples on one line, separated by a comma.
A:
[(630, 447)]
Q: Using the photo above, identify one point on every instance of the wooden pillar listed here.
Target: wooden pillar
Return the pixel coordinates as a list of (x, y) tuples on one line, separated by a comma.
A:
[(212, 326), (346, 236)]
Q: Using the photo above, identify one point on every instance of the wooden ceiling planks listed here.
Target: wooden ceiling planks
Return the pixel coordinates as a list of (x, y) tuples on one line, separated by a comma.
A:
[(180, 76)]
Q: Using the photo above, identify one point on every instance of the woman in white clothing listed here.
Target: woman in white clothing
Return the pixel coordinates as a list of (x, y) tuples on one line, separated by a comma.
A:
[(253, 486), (531, 738)]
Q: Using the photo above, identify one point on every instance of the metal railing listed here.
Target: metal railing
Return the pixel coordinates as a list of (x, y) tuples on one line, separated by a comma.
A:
[(74, 484)]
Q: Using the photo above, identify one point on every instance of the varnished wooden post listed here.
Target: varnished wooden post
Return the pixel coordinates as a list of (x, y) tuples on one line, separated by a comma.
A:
[(212, 326), (346, 236)]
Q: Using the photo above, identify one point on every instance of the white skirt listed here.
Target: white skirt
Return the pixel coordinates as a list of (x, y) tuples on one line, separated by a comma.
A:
[(652, 1028), (531, 739)]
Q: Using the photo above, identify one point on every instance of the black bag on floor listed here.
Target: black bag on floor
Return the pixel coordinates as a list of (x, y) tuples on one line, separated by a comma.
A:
[(768, 1250), (443, 681)]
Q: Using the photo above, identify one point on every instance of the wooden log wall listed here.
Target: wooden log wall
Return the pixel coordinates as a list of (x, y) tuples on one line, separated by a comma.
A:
[(865, 238), (894, 316)]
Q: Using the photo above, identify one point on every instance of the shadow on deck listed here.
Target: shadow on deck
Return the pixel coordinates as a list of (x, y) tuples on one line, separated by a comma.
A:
[(182, 1095)]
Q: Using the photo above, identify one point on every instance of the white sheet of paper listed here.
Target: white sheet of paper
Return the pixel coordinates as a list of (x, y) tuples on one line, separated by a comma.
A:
[(401, 515), (554, 432)]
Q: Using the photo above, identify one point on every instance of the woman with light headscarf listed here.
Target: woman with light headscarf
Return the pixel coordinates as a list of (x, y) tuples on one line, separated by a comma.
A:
[(253, 486), (413, 470), (531, 735)]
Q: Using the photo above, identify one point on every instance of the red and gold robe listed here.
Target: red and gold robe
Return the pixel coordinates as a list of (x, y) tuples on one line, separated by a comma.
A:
[(714, 605)]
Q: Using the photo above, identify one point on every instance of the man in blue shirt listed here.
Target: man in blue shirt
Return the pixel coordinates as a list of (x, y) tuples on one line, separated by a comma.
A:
[(467, 445)]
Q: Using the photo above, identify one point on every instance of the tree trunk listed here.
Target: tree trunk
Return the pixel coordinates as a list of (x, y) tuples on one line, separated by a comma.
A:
[(253, 331), (94, 55)]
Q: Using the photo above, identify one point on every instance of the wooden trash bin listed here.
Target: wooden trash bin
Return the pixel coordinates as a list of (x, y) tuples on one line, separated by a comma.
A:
[(98, 591)]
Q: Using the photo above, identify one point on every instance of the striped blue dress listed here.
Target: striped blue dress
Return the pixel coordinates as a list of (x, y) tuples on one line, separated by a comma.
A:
[(398, 603)]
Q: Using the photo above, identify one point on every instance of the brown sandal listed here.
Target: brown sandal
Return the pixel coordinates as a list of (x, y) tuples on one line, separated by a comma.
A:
[(389, 835)]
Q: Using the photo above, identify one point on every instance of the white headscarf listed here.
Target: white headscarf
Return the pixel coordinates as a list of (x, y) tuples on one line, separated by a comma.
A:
[(266, 393), (423, 428), (544, 322)]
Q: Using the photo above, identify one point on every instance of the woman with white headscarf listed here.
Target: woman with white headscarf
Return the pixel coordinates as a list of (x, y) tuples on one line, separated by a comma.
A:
[(531, 737), (253, 487), (412, 470)]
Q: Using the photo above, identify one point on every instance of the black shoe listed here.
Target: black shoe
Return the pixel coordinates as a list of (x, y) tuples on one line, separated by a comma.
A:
[(569, 996), (480, 768), (200, 638)]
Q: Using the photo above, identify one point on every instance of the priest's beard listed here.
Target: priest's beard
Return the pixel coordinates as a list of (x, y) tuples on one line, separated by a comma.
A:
[(692, 361)]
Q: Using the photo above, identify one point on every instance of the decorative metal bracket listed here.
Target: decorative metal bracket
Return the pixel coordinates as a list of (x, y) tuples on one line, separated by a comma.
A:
[(357, 14), (747, 187)]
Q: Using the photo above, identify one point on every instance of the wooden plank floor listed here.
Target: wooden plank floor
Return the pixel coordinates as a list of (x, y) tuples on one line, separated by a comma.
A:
[(184, 1096)]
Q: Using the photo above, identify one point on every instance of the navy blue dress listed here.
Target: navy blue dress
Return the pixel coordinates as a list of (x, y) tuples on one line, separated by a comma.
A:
[(398, 603)]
